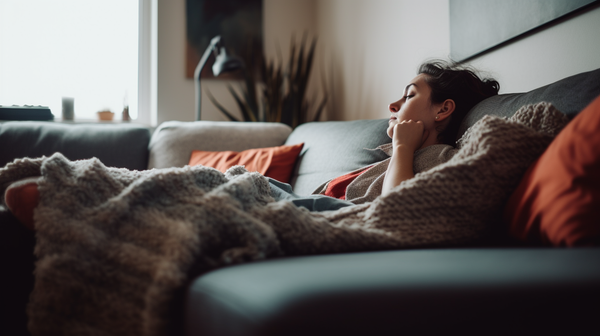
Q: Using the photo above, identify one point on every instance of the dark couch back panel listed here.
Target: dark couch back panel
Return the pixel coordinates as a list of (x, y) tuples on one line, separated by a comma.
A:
[(116, 145), (570, 95), (334, 148)]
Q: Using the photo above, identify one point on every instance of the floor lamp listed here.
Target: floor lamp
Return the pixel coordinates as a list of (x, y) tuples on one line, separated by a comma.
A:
[(223, 63)]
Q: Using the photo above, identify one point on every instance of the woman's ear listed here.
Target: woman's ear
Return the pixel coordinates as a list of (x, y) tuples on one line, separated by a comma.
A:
[(445, 110)]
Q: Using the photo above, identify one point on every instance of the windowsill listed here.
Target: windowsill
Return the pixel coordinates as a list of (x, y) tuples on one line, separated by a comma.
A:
[(94, 121)]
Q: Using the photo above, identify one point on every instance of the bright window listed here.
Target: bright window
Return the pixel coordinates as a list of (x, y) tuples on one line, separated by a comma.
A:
[(84, 49)]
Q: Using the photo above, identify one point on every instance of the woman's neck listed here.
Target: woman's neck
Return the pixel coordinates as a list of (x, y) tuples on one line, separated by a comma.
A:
[(432, 139)]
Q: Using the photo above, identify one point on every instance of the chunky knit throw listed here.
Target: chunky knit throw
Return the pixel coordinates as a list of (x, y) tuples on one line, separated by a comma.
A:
[(116, 248)]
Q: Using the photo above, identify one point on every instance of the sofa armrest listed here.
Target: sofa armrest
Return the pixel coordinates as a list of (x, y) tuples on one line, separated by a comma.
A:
[(173, 142), (496, 291)]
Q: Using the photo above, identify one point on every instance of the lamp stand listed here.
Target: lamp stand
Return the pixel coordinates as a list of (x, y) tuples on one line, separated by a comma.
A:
[(223, 63)]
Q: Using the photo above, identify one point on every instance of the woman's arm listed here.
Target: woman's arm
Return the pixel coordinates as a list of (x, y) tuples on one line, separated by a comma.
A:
[(408, 136), (400, 168)]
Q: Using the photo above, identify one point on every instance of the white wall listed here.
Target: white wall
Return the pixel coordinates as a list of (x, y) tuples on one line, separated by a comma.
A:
[(369, 49), (374, 48), (571, 47), (175, 96)]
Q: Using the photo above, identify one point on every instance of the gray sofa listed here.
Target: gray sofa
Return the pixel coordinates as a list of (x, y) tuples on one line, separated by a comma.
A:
[(493, 286)]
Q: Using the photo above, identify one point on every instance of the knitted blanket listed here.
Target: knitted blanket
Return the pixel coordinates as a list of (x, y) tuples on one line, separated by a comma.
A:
[(116, 247)]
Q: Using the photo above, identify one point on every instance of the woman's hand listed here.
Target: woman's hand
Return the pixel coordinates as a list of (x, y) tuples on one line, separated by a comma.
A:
[(407, 137), (409, 134)]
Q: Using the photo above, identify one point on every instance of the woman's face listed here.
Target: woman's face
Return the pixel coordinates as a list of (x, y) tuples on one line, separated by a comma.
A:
[(414, 105)]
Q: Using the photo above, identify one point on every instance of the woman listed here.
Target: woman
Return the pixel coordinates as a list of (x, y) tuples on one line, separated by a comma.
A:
[(423, 126), (430, 112)]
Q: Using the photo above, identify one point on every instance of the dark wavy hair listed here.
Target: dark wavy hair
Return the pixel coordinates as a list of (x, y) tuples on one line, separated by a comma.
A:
[(460, 83)]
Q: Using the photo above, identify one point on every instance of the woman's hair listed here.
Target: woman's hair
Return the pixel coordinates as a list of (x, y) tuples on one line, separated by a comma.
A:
[(462, 85)]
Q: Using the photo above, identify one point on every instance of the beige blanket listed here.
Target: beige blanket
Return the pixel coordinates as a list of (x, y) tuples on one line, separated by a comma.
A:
[(116, 248)]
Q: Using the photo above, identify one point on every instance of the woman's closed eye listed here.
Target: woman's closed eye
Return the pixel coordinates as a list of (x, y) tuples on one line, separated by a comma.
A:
[(407, 97)]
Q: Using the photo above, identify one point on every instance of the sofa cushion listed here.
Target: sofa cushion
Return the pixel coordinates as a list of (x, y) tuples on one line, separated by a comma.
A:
[(569, 95), (173, 141), (274, 162), (116, 145), (334, 148), (558, 200)]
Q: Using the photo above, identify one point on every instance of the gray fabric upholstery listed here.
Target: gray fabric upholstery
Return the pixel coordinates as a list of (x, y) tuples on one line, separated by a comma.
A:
[(173, 142), (116, 145), (413, 292), (334, 148), (570, 95)]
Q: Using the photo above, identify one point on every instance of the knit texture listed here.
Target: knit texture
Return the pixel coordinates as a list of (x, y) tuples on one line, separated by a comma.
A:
[(116, 248)]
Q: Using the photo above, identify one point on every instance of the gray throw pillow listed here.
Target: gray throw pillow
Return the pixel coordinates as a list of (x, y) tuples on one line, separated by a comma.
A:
[(334, 148)]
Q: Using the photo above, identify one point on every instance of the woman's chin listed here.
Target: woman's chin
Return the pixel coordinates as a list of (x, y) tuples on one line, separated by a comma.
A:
[(390, 131)]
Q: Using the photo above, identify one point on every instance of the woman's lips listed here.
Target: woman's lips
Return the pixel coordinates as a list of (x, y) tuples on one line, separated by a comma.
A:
[(392, 118)]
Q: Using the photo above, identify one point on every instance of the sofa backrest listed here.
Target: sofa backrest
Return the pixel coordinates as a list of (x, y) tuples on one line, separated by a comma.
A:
[(334, 148), (569, 95), (116, 145), (173, 141)]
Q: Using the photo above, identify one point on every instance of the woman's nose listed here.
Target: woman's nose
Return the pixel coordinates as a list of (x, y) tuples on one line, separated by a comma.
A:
[(394, 107)]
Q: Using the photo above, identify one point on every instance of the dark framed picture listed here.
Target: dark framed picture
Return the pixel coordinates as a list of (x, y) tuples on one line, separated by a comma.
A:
[(477, 26), (239, 22)]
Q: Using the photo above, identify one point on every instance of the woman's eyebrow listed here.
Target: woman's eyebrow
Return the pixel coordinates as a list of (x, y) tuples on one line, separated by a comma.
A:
[(409, 85)]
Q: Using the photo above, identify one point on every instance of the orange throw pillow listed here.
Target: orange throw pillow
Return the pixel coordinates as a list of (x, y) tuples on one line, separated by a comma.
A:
[(558, 200), (274, 162), (21, 198)]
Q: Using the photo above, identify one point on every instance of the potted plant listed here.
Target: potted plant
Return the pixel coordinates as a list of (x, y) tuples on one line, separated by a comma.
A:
[(281, 97)]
